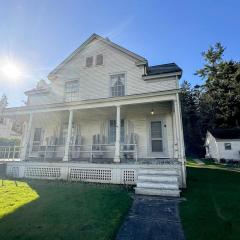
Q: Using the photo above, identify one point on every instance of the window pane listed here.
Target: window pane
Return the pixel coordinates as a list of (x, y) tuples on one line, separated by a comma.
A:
[(112, 131), (99, 59), (157, 146), (89, 61), (118, 85), (37, 134), (156, 129), (227, 146), (72, 90)]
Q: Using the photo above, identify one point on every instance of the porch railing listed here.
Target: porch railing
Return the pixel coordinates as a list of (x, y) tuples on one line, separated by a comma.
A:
[(103, 150), (10, 153), (52, 152)]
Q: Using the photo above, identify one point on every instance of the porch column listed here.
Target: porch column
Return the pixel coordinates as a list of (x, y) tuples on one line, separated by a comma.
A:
[(118, 134), (69, 134), (26, 140), (181, 148)]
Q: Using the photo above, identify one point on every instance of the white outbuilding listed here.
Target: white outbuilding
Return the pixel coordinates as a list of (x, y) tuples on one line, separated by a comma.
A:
[(223, 144)]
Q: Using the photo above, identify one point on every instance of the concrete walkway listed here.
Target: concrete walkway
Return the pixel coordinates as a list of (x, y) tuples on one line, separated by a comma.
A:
[(152, 218)]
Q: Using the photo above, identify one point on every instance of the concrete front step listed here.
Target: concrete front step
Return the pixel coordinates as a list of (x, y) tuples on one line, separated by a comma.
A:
[(157, 185), (158, 172), (158, 178), (157, 192)]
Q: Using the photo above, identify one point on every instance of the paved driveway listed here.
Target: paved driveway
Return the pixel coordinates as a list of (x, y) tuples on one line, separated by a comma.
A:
[(152, 218)]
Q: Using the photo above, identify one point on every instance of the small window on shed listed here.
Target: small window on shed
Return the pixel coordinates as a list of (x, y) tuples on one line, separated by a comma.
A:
[(99, 59), (89, 61), (227, 146)]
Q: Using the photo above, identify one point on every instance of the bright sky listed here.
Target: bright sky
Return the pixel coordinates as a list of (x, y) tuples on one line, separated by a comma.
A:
[(37, 35)]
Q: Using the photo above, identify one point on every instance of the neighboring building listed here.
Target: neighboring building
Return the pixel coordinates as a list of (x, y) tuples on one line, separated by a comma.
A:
[(223, 144), (9, 129), (106, 116)]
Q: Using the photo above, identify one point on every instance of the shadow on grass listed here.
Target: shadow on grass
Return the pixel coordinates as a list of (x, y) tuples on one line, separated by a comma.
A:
[(212, 206), (67, 210)]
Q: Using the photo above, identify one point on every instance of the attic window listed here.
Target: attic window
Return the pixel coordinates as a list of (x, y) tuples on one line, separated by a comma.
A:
[(99, 60), (89, 61)]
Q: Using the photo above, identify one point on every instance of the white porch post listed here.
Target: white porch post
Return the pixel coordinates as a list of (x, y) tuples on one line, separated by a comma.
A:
[(69, 134), (118, 136), (180, 139), (26, 140)]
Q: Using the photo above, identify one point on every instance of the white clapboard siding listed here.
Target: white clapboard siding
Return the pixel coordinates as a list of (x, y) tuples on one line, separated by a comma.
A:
[(95, 81)]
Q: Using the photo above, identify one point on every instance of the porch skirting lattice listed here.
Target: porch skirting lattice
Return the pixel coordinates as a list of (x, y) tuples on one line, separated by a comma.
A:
[(87, 172)]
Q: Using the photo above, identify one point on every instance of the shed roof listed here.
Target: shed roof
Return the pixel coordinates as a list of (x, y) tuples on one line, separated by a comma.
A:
[(229, 133)]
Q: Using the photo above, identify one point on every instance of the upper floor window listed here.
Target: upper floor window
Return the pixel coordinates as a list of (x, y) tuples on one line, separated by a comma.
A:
[(99, 60), (89, 61), (227, 146), (71, 91), (118, 85)]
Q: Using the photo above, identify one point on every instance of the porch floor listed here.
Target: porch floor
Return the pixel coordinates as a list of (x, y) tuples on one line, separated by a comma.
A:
[(144, 161)]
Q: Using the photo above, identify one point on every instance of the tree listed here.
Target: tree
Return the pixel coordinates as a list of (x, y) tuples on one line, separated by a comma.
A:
[(220, 99), (191, 120)]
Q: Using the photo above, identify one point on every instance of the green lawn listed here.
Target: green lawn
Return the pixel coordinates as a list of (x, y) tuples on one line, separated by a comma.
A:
[(212, 206), (52, 210)]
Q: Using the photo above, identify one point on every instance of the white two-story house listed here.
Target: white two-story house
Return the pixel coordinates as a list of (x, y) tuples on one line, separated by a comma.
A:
[(106, 116)]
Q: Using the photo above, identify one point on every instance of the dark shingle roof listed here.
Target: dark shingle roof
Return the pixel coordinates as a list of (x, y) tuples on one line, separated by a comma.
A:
[(163, 68), (231, 133)]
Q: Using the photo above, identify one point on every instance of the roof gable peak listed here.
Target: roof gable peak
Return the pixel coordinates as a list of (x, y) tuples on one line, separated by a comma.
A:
[(139, 59)]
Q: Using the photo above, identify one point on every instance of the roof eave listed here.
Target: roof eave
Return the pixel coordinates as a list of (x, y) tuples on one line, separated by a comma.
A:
[(162, 75)]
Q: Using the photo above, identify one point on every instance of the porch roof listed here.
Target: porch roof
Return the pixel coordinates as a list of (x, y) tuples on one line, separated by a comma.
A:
[(168, 95)]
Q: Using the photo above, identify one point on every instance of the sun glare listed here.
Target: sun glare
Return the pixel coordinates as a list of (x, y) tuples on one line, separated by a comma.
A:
[(11, 70)]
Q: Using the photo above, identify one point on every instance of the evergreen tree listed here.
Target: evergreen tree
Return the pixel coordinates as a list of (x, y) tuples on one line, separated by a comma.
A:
[(220, 99), (191, 121)]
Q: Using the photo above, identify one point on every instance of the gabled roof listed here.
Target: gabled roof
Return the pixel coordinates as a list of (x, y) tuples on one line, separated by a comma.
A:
[(140, 60), (163, 68), (223, 133)]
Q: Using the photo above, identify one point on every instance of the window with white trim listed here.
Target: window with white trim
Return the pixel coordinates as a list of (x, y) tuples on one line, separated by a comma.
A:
[(228, 146), (117, 85), (112, 131), (72, 91), (99, 60), (89, 61)]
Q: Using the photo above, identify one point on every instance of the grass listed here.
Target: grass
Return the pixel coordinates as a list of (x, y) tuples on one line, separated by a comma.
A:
[(52, 210), (212, 206)]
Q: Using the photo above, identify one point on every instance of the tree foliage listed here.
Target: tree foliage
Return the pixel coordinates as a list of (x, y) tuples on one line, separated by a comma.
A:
[(216, 103)]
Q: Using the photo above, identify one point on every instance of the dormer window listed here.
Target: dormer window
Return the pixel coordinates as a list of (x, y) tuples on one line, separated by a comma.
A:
[(89, 61), (99, 60), (118, 85), (72, 91)]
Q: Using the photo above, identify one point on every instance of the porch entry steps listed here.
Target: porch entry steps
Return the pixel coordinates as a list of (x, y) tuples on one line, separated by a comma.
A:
[(158, 182)]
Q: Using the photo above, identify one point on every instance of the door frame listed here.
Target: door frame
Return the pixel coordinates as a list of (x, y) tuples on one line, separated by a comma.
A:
[(164, 153)]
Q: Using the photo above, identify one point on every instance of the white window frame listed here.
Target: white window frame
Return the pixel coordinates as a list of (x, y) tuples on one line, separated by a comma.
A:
[(111, 85), (71, 94)]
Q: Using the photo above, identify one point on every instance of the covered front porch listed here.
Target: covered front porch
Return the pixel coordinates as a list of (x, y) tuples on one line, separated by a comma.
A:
[(130, 133), (135, 136)]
